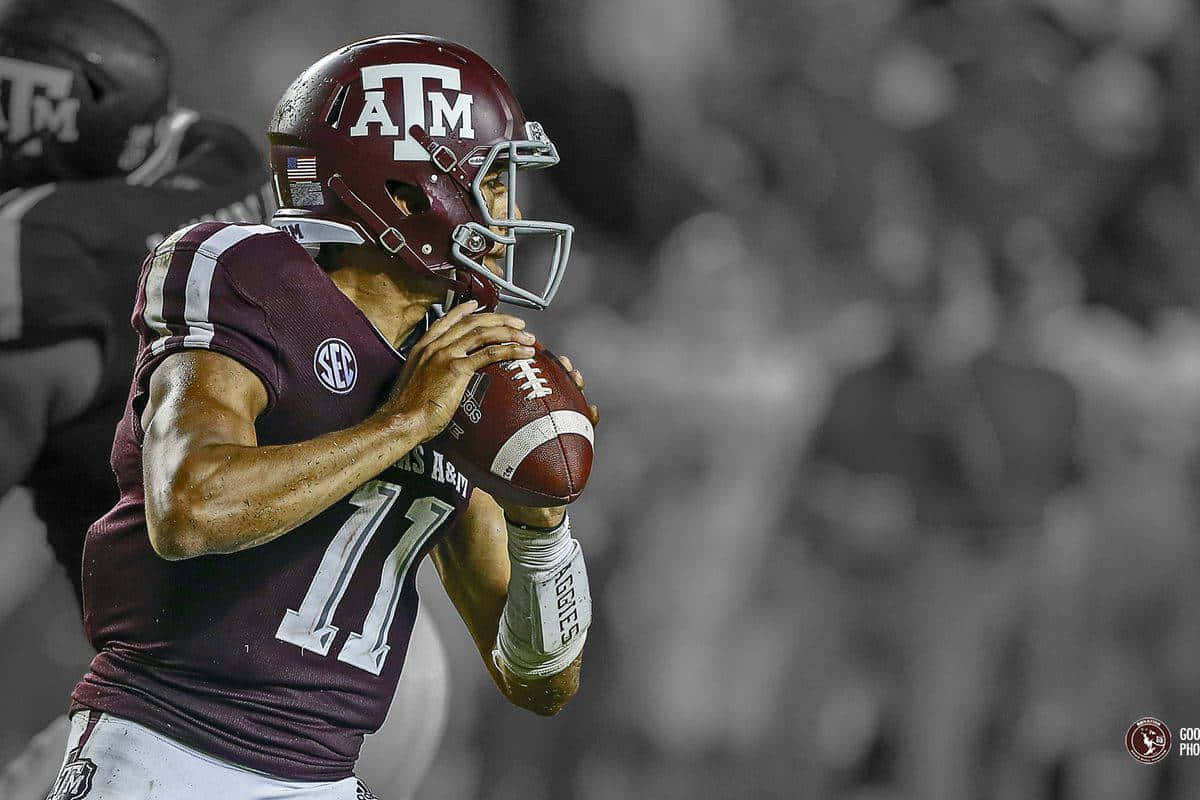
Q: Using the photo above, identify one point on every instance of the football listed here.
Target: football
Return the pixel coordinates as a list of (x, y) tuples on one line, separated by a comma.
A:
[(522, 432)]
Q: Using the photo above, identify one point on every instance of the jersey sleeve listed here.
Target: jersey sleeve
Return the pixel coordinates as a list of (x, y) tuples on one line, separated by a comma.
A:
[(189, 298)]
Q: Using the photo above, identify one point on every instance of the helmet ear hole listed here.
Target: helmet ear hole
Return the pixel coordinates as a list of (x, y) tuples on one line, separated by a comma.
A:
[(410, 199)]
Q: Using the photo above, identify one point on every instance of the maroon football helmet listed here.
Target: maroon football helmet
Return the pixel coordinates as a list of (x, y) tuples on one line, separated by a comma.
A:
[(424, 118)]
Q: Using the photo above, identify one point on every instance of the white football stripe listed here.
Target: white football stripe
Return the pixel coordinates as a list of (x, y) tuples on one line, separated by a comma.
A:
[(536, 433), (11, 301)]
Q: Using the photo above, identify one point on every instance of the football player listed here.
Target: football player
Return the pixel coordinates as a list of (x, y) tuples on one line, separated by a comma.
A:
[(252, 593), (101, 166)]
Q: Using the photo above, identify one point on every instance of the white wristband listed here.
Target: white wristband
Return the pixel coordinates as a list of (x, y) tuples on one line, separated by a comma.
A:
[(549, 606)]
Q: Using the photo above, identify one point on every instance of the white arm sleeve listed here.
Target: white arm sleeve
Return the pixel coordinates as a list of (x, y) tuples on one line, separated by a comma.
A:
[(549, 606)]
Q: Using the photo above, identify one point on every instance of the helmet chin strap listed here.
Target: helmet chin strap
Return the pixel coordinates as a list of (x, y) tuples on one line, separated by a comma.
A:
[(391, 240), (481, 291), (443, 157), (385, 235)]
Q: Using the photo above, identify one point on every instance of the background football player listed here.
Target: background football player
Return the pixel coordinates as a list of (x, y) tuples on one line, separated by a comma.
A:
[(100, 165), (281, 435), (95, 162)]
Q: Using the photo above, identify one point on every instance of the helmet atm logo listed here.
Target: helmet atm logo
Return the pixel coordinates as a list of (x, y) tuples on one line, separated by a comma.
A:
[(444, 115), (335, 366), (38, 102)]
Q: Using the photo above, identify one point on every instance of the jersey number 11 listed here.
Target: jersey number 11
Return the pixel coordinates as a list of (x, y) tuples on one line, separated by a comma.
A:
[(311, 627)]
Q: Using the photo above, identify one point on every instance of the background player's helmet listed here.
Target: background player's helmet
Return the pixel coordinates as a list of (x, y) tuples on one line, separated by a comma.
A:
[(82, 85), (427, 119)]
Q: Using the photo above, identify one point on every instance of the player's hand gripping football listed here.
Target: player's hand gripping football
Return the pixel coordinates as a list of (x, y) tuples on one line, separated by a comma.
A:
[(441, 364), (540, 517)]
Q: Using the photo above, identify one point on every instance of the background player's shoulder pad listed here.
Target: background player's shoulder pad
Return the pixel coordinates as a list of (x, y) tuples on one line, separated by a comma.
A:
[(199, 152), (216, 153)]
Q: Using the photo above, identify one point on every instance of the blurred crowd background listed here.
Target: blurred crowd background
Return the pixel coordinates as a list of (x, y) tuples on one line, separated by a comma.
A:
[(891, 310)]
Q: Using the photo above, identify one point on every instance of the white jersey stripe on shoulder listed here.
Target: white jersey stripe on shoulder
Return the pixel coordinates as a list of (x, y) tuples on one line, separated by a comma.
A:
[(155, 280), (11, 301), (199, 282), (171, 240), (534, 434), (153, 315)]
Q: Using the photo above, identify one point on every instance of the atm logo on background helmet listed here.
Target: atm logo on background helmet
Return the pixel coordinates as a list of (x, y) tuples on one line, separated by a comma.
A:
[(39, 101), (444, 114)]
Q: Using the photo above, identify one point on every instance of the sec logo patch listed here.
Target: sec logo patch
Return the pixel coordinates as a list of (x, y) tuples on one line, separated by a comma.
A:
[(335, 366)]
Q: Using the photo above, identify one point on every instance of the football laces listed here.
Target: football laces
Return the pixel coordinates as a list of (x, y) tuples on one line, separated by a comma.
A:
[(531, 376)]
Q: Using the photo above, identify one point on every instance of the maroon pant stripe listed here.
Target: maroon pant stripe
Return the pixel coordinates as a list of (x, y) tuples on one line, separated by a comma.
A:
[(92, 719)]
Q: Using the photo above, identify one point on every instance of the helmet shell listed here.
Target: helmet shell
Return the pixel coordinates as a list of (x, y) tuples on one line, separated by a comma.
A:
[(345, 129)]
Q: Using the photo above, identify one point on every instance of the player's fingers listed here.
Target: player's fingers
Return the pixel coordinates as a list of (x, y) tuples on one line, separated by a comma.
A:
[(443, 323), (575, 374), (594, 413), (468, 325), (496, 353), (488, 336), (438, 328), (477, 322)]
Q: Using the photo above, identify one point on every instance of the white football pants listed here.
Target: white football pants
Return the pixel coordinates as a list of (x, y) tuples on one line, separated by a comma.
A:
[(110, 758)]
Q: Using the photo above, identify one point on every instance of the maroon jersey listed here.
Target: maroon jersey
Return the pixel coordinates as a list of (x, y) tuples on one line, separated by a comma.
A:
[(278, 658), (69, 255)]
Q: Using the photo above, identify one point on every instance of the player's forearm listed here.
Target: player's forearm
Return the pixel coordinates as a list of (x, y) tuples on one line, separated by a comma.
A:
[(543, 626), (483, 609), (475, 563), (481, 604), (222, 498)]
